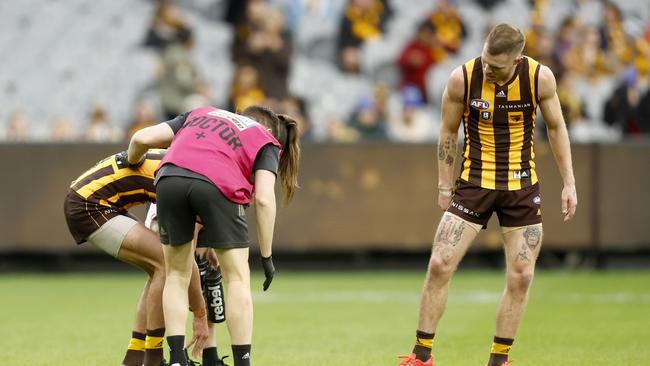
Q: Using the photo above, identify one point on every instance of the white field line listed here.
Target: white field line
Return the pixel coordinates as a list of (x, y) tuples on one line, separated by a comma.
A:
[(466, 297)]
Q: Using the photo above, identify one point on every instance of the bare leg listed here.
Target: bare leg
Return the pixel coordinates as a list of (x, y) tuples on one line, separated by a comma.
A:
[(141, 247), (178, 265), (522, 246), (453, 237), (239, 303), (140, 322)]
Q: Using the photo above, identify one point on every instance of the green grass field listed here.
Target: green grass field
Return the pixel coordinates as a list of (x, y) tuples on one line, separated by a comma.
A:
[(355, 318)]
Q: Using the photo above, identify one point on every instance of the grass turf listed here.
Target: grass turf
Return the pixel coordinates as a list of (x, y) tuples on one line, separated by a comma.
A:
[(352, 318)]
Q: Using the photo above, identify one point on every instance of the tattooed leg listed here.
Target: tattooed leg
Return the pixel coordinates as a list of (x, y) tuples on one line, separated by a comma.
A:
[(451, 241), (522, 247)]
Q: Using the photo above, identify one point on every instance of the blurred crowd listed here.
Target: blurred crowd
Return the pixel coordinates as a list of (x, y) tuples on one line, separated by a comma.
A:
[(610, 60)]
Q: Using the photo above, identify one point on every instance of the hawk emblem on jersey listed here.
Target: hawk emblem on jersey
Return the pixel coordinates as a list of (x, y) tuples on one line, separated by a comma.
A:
[(479, 104), (486, 115)]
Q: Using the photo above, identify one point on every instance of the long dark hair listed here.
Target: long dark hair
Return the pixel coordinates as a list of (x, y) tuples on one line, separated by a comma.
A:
[(285, 130)]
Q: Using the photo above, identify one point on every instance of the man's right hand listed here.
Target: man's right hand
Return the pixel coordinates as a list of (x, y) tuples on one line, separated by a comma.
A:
[(199, 334), (444, 198)]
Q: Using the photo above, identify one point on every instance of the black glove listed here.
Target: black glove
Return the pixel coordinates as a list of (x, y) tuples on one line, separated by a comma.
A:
[(269, 270), (122, 159)]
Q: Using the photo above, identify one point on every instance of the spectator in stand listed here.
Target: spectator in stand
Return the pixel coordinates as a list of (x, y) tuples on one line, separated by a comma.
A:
[(622, 107), (573, 108), (613, 39), (62, 130), (417, 58), (180, 76), (99, 128), (245, 90), (381, 93), (542, 49), (362, 21), (567, 37), (268, 48), (644, 113), (165, 27), (326, 13), (235, 12), (450, 30), (588, 60), (295, 107), (144, 115), (339, 132), (17, 127), (251, 21), (488, 4), (368, 122), (413, 124)]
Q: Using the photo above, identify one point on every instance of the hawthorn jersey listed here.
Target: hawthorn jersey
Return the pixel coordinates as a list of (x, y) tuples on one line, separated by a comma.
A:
[(499, 123), (110, 184), (107, 190)]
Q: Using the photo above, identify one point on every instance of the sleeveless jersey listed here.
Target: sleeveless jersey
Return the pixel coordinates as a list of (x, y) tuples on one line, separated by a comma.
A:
[(110, 184), (499, 123)]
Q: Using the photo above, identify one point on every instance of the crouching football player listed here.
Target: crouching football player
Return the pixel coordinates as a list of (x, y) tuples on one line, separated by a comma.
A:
[(96, 211)]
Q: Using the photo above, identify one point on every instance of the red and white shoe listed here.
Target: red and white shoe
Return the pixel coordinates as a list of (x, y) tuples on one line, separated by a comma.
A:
[(410, 360)]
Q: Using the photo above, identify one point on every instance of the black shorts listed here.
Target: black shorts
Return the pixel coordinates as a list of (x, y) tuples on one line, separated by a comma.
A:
[(514, 208), (180, 200), (84, 217)]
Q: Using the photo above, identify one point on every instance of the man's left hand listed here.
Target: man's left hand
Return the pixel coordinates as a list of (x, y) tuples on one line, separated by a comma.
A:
[(569, 202)]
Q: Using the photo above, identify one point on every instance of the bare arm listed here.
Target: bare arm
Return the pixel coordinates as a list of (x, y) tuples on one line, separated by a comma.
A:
[(265, 208), (157, 136), (453, 105), (558, 137)]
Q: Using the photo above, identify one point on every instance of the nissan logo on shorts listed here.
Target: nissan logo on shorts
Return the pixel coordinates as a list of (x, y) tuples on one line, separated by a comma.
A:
[(479, 104)]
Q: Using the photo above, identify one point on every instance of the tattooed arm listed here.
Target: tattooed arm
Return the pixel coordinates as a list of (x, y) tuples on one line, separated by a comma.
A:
[(453, 105)]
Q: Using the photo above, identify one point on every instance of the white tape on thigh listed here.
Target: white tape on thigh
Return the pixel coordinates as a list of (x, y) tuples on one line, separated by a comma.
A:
[(109, 237)]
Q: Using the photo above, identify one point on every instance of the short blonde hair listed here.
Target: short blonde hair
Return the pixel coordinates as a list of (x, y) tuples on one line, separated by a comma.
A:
[(505, 38)]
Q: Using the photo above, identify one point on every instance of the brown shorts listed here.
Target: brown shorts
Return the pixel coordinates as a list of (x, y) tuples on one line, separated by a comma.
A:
[(514, 208), (84, 217)]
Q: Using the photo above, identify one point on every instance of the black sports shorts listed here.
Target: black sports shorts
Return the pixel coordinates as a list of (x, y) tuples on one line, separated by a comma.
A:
[(180, 200), (514, 208)]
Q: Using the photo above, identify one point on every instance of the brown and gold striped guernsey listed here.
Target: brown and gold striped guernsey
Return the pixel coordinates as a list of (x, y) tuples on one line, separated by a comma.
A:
[(499, 122), (108, 185)]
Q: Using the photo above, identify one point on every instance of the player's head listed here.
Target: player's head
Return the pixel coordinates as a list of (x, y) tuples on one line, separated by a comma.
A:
[(502, 52), (285, 130)]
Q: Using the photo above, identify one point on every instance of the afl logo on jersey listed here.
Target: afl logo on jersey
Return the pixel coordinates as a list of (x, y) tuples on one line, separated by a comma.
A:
[(479, 104)]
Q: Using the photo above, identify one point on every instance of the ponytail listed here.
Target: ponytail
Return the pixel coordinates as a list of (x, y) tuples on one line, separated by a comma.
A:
[(285, 130), (290, 158)]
